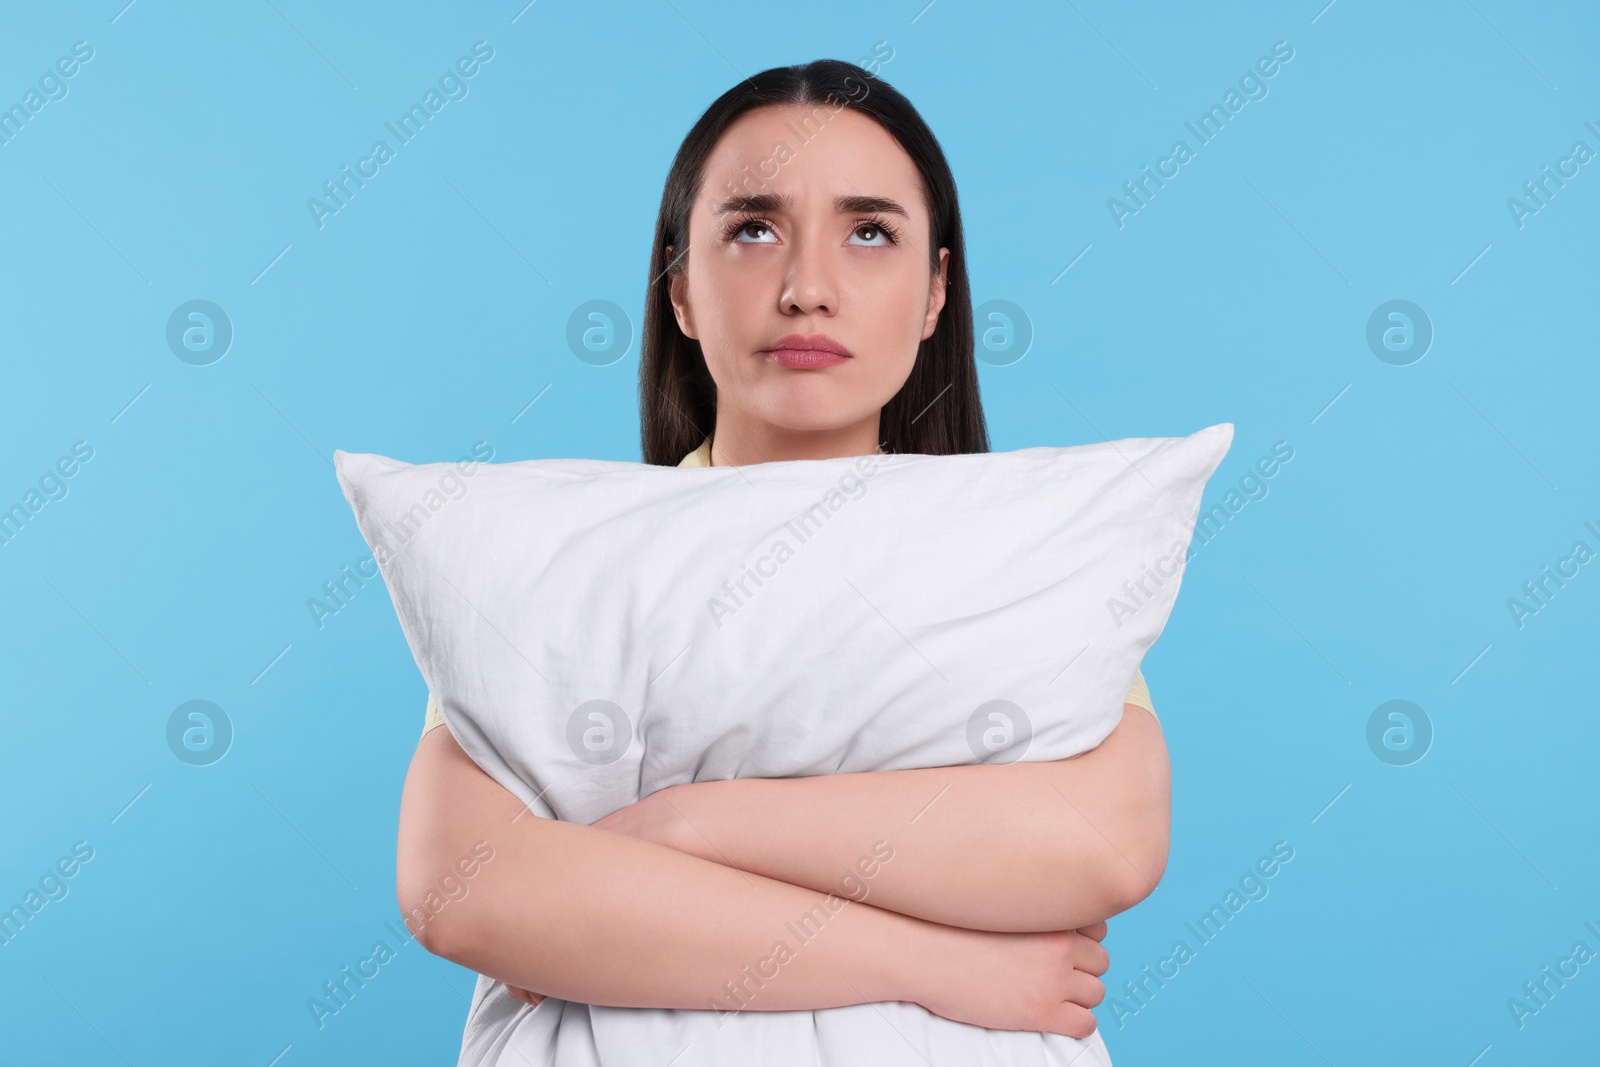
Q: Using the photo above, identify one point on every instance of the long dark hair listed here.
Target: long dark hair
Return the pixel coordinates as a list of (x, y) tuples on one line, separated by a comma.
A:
[(938, 410)]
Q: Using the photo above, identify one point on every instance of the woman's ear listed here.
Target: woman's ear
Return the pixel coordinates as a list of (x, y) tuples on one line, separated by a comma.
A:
[(678, 293), (936, 294)]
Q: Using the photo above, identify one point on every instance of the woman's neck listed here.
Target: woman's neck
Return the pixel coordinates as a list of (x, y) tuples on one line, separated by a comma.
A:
[(738, 446)]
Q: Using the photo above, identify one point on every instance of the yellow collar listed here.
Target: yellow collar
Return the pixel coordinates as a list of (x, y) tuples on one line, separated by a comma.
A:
[(701, 457)]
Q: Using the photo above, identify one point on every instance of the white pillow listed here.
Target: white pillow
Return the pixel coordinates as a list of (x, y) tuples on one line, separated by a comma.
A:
[(595, 630)]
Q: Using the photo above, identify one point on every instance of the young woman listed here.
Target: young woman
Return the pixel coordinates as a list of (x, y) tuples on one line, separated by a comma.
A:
[(808, 299)]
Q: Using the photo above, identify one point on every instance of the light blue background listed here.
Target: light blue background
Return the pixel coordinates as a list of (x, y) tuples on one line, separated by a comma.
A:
[(430, 311)]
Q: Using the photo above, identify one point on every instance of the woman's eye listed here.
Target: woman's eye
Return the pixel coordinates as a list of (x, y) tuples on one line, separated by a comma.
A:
[(749, 228), (876, 236)]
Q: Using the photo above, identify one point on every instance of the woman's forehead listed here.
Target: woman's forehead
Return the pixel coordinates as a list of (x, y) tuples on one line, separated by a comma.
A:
[(812, 155)]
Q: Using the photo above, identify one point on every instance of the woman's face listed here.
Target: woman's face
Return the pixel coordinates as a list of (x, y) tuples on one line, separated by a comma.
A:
[(826, 236)]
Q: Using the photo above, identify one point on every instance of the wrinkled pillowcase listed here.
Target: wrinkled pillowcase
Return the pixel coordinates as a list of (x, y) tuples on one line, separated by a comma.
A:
[(595, 630)]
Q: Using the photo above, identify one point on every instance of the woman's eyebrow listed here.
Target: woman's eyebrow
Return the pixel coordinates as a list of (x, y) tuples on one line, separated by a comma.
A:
[(772, 202)]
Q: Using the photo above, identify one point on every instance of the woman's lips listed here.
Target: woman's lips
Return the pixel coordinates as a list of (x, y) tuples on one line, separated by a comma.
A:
[(806, 351), (803, 359)]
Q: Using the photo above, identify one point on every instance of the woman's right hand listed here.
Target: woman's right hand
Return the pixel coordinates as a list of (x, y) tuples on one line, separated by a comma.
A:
[(1043, 981)]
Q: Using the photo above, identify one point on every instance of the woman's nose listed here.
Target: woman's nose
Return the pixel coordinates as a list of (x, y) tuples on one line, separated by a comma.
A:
[(810, 286)]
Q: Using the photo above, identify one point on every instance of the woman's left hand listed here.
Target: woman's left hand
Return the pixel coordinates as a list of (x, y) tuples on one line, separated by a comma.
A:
[(527, 996)]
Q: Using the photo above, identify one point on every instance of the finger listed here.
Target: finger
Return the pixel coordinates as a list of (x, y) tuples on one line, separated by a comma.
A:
[(1095, 959), (1085, 990), (1074, 1020), (1086, 955)]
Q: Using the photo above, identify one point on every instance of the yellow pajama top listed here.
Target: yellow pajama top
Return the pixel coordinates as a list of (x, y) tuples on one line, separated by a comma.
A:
[(701, 457)]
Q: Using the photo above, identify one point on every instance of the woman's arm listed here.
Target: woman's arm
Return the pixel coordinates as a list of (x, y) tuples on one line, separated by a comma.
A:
[(590, 915), (1021, 846)]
